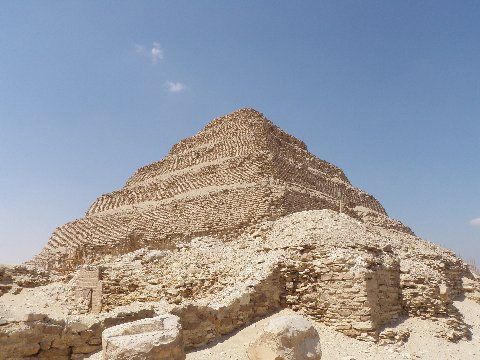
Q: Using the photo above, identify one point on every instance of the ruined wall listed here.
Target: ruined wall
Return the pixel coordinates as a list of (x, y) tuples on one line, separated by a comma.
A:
[(15, 277), (382, 284), (88, 290), (430, 293), (44, 338), (344, 288), (347, 290), (203, 323)]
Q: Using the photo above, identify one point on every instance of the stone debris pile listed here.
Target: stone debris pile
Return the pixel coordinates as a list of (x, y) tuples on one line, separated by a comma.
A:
[(13, 278)]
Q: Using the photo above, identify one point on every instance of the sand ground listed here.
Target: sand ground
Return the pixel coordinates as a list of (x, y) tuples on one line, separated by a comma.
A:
[(422, 344)]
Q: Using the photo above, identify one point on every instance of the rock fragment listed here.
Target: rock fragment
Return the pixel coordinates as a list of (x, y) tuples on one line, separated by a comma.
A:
[(290, 337), (158, 338)]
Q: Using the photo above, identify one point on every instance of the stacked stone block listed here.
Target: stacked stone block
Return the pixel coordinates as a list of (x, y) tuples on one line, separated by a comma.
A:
[(88, 290), (239, 170), (354, 299)]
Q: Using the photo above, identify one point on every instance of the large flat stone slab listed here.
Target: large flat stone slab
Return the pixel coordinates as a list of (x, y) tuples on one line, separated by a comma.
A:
[(158, 338)]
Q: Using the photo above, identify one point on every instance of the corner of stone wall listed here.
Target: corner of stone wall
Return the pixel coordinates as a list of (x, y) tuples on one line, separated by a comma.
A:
[(203, 323), (341, 289)]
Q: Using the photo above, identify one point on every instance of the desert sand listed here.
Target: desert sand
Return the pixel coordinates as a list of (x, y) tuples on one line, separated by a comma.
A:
[(422, 343)]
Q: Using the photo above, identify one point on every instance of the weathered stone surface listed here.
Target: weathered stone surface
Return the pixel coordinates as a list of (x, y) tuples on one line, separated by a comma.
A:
[(240, 169), (51, 339), (158, 338), (290, 337), (13, 278), (87, 290)]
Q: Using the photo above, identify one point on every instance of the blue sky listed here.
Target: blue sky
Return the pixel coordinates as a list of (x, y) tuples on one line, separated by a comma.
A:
[(387, 90)]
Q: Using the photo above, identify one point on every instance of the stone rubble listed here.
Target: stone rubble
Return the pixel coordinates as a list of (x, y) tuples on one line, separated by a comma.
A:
[(13, 278)]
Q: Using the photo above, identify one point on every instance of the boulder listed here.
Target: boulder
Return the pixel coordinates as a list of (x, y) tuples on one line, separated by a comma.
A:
[(290, 337), (158, 338)]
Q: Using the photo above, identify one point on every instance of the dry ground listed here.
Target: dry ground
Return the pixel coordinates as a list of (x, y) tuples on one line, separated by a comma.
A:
[(422, 344)]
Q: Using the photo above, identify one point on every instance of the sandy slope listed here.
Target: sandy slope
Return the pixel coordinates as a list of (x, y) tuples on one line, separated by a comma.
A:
[(422, 344), (48, 300)]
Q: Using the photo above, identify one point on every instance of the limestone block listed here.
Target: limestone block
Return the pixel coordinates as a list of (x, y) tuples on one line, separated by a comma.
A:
[(290, 337), (158, 338)]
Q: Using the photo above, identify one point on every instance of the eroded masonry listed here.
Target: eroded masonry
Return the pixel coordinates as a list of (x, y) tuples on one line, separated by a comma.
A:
[(238, 171), (234, 223)]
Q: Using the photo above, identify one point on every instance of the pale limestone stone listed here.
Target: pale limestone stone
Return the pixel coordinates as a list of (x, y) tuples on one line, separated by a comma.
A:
[(158, 338), (290, 337)]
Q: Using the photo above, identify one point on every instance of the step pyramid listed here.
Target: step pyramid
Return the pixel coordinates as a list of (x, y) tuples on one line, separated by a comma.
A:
[(238, 171)]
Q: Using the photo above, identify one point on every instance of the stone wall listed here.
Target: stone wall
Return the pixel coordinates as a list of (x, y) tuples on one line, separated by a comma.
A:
[(204, 323), (354, 287), (431, 294), (44, 338), (344, 288), (88, 290)]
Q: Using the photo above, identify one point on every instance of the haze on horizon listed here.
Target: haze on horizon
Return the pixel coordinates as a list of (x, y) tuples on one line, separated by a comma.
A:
[(387, 91)]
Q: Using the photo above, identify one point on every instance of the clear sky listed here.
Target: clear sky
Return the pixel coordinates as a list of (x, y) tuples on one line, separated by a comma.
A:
[(387, 90)]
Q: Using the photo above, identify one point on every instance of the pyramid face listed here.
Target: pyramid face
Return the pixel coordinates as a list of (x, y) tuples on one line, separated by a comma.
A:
[(238, 171)]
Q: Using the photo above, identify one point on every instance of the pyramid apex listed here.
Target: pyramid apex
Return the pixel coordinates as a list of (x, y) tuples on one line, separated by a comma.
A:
[(248, 110), (242, 113)]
